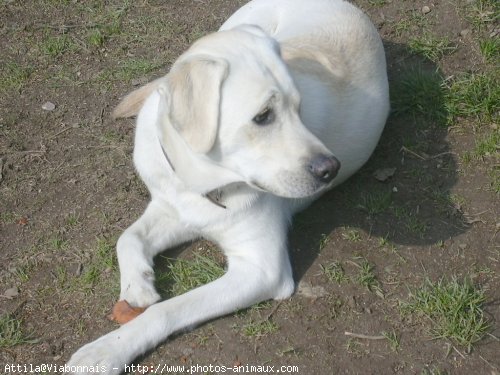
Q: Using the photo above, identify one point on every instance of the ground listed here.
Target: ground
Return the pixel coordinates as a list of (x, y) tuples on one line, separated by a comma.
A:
[(398, 269)]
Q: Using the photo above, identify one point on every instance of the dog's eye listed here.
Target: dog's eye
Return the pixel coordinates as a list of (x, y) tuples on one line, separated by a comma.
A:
[(265, 117)]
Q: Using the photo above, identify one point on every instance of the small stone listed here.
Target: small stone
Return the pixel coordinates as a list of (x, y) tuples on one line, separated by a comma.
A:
[(187, 352), (426, 9), (384, 174), (464, 32), (48, 106), (463, 246), (307, 290), (11, 292), (351, 302), (395, 189), (138, 81)]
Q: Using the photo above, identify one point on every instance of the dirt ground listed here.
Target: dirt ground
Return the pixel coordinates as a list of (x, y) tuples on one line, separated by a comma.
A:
[(68, 189)]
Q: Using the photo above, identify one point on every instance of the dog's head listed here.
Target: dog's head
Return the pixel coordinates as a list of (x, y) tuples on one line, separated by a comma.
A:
[(229, 104)]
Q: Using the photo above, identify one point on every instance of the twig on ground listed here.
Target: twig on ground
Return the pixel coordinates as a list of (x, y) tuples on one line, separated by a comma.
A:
[(58, 133), (361, 336), (406, 149), (426, 157)]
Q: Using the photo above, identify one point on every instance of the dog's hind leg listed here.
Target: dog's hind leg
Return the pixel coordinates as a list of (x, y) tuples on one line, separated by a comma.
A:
[(155, 231)]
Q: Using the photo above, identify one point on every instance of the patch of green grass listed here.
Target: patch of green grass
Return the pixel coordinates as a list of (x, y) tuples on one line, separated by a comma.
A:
[(323, 241), (412, 222), (432, 371), (189, 274), (390, 248), (260, 329), (14, 76), (96, 38), (474, 96), (419, 95), (334, 272), (488, 146), (23, 271), (384, 241), (133, 68), (393, 339), (431, 47), (194, 34), (103, 261), (416, 226), (414, 22), (447, 203), (57, 242), (482, 13), (490, 49), (351, 235), (453, 308), (106, 253), (106, 23), (61, 276), (91, 275), (128, 70), (11, 332), (367, 278), (7, 217), (375, 202), (353, 346), (72, 220), (54, 46)]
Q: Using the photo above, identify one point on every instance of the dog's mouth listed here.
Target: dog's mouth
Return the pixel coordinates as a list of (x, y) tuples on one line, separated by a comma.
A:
[(291, 186)]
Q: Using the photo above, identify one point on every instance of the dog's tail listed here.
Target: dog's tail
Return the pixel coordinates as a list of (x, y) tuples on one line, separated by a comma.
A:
[(132, 103)]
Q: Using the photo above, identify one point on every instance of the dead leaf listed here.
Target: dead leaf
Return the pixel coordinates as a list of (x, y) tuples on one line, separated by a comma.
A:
[(22, 221), (122, 312)]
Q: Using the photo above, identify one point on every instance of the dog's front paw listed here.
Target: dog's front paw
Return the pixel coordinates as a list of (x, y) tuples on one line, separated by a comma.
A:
[(138, 289), (105, 356)]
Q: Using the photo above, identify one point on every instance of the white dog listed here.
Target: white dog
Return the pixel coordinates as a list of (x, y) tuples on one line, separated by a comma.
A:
[(250, 125)]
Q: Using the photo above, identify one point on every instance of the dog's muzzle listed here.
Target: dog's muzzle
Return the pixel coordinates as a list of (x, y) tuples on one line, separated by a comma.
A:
[(324, 167)]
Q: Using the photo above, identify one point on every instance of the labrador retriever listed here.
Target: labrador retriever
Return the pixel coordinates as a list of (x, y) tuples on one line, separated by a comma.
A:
[(251, 124)]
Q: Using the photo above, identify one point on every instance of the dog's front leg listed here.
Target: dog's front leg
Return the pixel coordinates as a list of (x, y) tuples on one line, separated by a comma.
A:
[(155, 231), (257, 270)]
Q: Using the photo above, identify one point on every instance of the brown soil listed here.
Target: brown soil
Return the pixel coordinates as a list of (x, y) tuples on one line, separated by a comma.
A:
[(68, 186)]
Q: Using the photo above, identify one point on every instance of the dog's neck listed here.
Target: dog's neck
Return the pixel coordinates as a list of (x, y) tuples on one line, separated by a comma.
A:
[(214, 196)]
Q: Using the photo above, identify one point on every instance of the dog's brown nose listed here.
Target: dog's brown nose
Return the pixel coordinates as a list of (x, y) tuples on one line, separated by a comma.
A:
[(324, 167)]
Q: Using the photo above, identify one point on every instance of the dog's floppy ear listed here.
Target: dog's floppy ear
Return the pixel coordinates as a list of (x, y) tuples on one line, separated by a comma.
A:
[(195, 93), (131, 104)]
